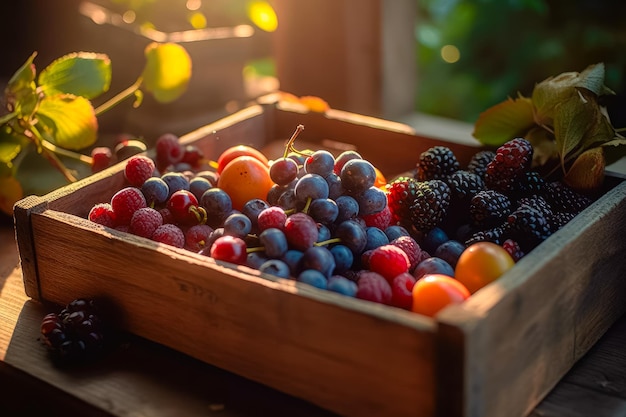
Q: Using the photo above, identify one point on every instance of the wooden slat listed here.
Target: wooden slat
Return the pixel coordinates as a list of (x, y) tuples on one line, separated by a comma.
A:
[(520, 335)]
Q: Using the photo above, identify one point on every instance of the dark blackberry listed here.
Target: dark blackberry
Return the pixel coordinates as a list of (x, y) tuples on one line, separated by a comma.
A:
[(564, 198), (479, 161), (430, 205), (529, 183), (530, 225), (559, 219), (497, 234), (538, 202), (489, 208), (436, 163), (464, 184), (400, 195), (512, 159)]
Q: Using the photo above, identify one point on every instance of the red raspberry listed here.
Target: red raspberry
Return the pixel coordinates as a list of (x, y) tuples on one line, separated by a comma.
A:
[(400, 196), (145, 221), (169, 234), (402, 291), (125, 202), (512, 159), (382, 219), (373, 287), (103, 214), (101, 158), (169, 151), (271, 217), (197, 237), (389, 261), (514, 249), (411, 248), (138, 169)]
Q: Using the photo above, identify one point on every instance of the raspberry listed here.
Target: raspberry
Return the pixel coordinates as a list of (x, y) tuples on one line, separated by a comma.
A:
[(411, 248), (479, 161), (168, 151), (269, 217), (101, 158), (514, 249), (512, 160), (103, 214), (430, 206), (381, 220), (145, 221), (125, 202), (402, 291), (138, 169), (389, 261), (488, 208), (436, 163), (373, 287), (169, 234), (400, 196)]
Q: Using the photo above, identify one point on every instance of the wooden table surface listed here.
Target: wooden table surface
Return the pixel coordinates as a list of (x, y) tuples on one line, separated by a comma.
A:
[(142, 378)]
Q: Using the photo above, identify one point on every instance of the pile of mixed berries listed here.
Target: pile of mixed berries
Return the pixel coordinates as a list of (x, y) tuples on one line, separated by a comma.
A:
[(328, 221)]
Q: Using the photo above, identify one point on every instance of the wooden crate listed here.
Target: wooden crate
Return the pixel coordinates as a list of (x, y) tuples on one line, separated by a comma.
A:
[(495, 355)]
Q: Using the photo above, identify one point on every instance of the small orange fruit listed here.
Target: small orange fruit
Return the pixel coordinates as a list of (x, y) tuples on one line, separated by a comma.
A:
[(482, 263), (239, 150), (433, 292), (245, 178)]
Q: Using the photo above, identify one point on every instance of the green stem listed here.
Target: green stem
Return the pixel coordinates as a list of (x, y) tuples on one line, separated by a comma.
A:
[(119, 97), (64, 152), (7, 118)]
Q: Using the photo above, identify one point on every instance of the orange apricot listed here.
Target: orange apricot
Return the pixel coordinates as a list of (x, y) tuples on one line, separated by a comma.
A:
[(239, 150), (245, 178)]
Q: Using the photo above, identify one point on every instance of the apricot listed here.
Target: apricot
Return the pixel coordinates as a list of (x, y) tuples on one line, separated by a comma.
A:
[(245, 178), (239, 150)]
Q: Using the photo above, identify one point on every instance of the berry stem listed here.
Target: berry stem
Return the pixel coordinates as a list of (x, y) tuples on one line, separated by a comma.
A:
[(119, 97), (292, 139), (327, 242)]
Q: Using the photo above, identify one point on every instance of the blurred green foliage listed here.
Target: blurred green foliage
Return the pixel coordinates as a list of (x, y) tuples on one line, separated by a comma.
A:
[(507, 46)]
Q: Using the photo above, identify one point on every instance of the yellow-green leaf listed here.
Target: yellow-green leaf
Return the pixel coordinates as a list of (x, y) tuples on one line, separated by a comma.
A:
[(504, 121), (23, 78), (68, 121), (544, 145), (84, 74), (167, 71), (573, 119)]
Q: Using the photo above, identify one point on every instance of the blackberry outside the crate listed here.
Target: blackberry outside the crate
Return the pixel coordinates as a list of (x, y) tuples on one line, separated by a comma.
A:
[(512, 159), (400, 195), (430, 205), (479, 161), (436, 163), (489, 208), (566, 199)]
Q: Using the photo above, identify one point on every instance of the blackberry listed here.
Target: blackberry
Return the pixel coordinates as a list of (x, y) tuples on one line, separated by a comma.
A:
[(538, 202), (489, 208), (512, 159), (559, 219), (479, 161), (400, 195), (430, 205), (530, 224), (529, 183), (464, 184), (495, 234), (436, 163), (564, 198)]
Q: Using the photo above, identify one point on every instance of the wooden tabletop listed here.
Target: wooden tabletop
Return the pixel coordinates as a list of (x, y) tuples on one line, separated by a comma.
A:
[(142, 378)]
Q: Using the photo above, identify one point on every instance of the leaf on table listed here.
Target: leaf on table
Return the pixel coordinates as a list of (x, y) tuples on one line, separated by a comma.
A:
[(587, 171), (84, 74), (68, 121), (167, 71), (504, 121)]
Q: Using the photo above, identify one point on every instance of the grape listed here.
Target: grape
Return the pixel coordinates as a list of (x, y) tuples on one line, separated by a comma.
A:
[(343, 258), (375, 238), (353, 235), (324, 210), (319, 258), (275, 267), (321, 162), (348, 208), (198, 185), (371, 201), (237, 224), (310, 187), (283, 171), (313, 277), (293, 258), (217, 204), (335, 189), (155, 190), (342, 285), (274, 242), (357, 175), (344, 157), (252, 208), (175, 181)]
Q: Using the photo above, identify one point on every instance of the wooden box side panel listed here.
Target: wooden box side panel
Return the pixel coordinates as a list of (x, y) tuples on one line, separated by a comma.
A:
[(350, 356), (517, 337)]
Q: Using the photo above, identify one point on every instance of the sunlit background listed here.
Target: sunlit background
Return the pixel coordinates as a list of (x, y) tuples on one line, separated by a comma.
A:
[(467, 54)]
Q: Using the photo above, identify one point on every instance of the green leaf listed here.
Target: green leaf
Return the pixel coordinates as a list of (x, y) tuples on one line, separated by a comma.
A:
[(167, 71), (544, 145), (555, 90), (504, 121), (84, 74), (573, 119), (21, 91), (68, 121)]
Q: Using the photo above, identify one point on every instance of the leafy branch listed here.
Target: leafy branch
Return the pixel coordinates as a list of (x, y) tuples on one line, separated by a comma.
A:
[(52, 113), (569, 128)]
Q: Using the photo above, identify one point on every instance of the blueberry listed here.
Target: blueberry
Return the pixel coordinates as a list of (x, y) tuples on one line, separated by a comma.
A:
[(450, 251), (342, 285), (275, 267), (433, 239), (313, 277), (433, 265)]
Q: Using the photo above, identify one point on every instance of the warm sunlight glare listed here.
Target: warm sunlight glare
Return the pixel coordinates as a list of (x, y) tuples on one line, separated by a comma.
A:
[(129, 16), (450, 54), (197, 20), (194, 4), (263, 15)]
